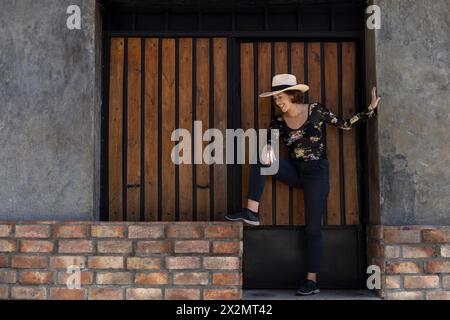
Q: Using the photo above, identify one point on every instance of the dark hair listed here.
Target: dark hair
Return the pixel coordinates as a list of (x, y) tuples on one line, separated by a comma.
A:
[(296, 96)]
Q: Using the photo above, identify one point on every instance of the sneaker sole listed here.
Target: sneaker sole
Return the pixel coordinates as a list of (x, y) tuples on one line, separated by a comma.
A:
[(307, 293), (253, 223)]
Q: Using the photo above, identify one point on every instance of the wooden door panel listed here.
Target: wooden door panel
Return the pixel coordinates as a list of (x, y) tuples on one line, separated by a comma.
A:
[(329, 69), (155, 86)]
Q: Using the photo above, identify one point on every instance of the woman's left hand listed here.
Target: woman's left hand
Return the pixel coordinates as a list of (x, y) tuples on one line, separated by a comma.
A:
[(375, 99)]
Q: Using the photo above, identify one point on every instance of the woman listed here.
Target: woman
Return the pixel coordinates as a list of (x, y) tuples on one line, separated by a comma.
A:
[(301, 128)]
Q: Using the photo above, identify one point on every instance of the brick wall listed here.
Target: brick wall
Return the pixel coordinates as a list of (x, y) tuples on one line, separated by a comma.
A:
[(179, 260), (414, 261)]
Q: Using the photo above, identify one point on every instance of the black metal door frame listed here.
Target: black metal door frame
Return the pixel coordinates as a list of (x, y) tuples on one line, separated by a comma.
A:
[(234, 120)]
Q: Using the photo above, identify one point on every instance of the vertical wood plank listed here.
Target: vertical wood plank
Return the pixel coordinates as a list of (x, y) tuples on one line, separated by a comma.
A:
[(115, 131), (134, 129), (282, 191), (332, 103), (298, 63), (168, 125), (202, 114), (314, 72), (265, 109), (247, 107), (151, 130), (349, 110), (220, 122), (185, 107)]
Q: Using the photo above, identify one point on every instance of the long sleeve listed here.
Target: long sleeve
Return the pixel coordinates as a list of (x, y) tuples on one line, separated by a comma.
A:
[(274, 124), (345, 124)]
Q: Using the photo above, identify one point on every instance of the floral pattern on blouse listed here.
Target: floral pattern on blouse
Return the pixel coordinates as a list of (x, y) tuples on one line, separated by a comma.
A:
[(309, 141)]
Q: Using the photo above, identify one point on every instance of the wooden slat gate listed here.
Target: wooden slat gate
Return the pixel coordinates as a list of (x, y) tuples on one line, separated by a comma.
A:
[(165, 69), (158, 85)]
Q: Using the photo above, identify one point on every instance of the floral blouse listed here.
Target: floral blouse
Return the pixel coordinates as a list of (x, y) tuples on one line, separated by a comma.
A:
[(309, 141)]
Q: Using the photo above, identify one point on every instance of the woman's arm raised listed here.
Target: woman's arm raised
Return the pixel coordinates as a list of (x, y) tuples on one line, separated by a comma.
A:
[(347, 124)]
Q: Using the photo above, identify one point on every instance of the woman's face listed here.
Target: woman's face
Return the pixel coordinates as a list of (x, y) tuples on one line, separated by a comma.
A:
[(283, 101)]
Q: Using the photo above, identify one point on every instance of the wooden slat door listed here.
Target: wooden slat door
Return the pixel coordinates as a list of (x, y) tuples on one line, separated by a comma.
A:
[(155, 86), (329, 68)]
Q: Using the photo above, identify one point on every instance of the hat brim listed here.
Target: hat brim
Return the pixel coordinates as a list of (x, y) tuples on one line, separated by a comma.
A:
[(300, 87)]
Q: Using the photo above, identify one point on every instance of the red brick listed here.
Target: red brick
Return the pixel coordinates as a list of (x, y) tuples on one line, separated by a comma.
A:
[(404, 295), (35, 277), (86, 277), (418, 251), (41, 246), (70, 231), (105, 294), (105, 231), (223, 231), (5, 230), (401, 235), (114, 278), (146, 231), (4, 261), (32, 231), (191, 278), (226, 279), (222, 247), (392, 252), (4, 292), (375, 232), (221, 263), (156, 278), (75, 246), (421, 282), (192, 246), (144, 294), (105, 262), (436, 235), (438, 295), (7, 276), (375, 250), (66, 294), (445, 251), (222, 294), (438, 266), (134, 263), (393, 282), (30, 262), (403, 267), (446, 282), (114, 246), (150, 247), (182, 294), (184, 231), (183, 262), (63, 262), (8, 245), (28, 293)]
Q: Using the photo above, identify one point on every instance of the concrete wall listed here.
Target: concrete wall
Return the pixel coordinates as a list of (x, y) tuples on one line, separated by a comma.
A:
[(50, 111), (412, 67)]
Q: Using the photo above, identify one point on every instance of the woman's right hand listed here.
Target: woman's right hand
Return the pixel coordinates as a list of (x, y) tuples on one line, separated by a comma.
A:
[(267, 155)]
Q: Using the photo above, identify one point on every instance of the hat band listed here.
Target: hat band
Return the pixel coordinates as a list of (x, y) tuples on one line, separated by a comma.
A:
[(281, 87)]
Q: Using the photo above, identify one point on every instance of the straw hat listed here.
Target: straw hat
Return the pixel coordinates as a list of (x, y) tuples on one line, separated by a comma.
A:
[(284, 82)]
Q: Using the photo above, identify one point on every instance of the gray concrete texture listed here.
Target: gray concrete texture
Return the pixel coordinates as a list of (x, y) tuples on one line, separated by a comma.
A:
[(50, 108), (412, 57)]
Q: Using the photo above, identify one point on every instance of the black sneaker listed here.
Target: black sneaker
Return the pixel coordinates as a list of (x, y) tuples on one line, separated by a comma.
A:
[(307, 288), (245, 215)]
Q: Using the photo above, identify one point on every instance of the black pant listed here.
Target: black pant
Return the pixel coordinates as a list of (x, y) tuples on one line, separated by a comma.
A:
[(313, 178)]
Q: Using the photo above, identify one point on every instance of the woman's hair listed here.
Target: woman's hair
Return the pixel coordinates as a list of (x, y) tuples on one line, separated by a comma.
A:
[(296, 96)]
